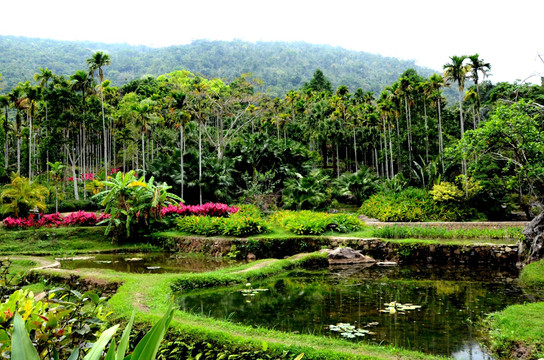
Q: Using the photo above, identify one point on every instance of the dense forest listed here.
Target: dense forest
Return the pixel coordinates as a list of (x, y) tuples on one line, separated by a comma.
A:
[(281, 66), (316, 146)]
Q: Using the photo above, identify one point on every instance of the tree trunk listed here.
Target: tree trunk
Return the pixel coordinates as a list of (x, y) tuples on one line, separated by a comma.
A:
[(143, 153), (440, 139), (182, 150), (355, 151)]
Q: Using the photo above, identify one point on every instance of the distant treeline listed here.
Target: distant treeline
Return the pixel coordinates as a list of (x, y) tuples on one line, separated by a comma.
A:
[(281, 66)]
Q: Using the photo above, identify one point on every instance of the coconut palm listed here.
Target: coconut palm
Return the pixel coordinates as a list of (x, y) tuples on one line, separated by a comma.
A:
[(456, 72), (97, 62), (24, 196)]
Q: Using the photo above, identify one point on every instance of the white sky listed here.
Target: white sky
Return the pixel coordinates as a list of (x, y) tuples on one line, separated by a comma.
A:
[(507, 34)]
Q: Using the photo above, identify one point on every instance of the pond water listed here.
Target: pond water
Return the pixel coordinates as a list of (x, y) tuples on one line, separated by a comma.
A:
[(452, 300), (152, 263)]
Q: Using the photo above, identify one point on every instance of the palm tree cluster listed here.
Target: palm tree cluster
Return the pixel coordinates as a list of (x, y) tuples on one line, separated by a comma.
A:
[(212, 139)]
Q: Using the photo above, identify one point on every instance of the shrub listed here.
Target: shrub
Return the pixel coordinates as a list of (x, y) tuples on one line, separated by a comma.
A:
[(236, 225), (314, 223), (414, 204), (79, 218), (208, 209)]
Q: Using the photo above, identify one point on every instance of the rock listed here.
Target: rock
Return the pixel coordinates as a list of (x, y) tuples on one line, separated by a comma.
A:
[(346, 255), (387, 263), (532, 247), (251, 257)]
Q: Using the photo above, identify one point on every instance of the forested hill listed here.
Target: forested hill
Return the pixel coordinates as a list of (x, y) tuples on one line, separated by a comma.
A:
[(282, 66)]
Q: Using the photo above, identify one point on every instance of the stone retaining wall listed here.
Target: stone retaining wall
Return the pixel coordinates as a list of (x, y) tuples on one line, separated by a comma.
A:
[(438, 254), (408, 253)]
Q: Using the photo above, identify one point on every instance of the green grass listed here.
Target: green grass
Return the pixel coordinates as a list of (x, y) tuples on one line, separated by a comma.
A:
[(532, 276), (60, 241), (517, 330), (505, 235), (520, 325)]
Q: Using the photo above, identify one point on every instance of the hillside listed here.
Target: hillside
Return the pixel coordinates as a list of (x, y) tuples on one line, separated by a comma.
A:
[(281, 66)]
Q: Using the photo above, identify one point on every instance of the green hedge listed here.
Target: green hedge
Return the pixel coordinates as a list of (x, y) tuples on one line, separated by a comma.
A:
[(235, 225), (412, 205), (315, 223)]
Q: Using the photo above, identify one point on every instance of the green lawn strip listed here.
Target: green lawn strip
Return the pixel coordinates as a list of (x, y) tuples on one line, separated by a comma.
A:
[(61, 241), (468, 242), (532, 276), (517, 330), (152, 293)]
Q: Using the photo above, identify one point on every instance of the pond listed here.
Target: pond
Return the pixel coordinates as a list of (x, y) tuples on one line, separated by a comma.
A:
[(148, 263), (451, 302)]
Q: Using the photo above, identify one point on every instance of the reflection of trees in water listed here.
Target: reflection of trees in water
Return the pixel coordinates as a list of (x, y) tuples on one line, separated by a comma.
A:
[(308, 304)]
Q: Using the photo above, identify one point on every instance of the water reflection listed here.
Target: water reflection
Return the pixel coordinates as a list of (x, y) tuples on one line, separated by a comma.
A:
[(148, 263), (452, 300)]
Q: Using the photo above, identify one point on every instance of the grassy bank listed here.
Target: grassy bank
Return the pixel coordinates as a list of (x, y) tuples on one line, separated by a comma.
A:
[(518, 331), (61, 241)]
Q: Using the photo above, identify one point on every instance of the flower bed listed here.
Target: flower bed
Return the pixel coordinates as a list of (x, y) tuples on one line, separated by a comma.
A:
[(208, 209), (79, 218)]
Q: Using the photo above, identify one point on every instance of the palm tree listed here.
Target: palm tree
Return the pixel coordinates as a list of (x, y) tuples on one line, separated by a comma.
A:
[(43, 78), (57, 169), (16, 98), (145, 110), (478, 65), (457, 71), (32, 95), (97, 62), (4, 102), (405, 89), (81, 81), (436, 82), (24, 195), (178, 109)]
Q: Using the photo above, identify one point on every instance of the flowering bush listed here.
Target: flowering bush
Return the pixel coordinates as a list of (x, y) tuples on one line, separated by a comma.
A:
[(80, 218), (208, 209)]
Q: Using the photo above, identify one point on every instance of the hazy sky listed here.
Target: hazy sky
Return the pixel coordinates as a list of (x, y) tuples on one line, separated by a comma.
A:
[(508, 34)]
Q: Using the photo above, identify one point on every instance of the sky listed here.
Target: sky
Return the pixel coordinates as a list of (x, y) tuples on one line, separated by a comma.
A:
[(507, 34)]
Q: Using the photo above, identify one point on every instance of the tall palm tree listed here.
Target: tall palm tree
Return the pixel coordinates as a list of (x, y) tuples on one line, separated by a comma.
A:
[(478, 65), (178, 109), (16, 97), (81, 81), (457, 71), (405, 90), (32, 95), (97, 62), (436, 82), (43, 78), (4, 103), (146, 111)]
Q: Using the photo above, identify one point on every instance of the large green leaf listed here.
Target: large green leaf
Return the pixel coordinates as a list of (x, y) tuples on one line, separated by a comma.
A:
[(147, 347), (21, 346), (123, 343), (96, 351)]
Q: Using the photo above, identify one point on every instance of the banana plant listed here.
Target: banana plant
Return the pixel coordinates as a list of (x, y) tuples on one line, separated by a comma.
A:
[(22, 348)]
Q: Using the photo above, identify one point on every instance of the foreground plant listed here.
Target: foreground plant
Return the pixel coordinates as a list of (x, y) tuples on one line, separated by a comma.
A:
[(23, 349)]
